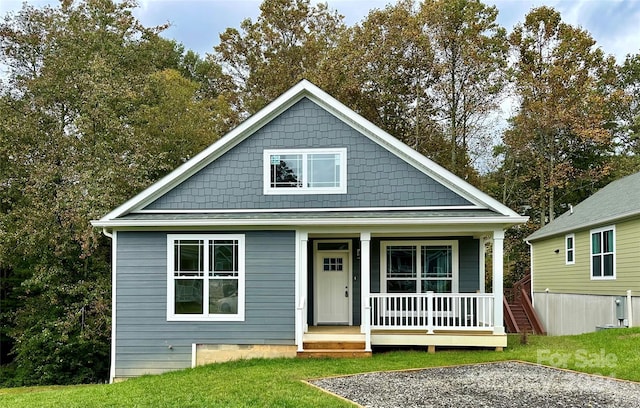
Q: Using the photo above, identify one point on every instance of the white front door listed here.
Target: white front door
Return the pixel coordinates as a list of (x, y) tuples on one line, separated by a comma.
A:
[(333, 293)]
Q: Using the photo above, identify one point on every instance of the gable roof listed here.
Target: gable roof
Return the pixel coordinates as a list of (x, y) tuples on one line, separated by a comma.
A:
[(306, 89), (619, 199)]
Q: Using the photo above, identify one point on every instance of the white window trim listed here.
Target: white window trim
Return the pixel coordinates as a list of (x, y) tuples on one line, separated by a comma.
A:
[(454, 261), (171, 315), (573, 249), (602, 229), (342, 189)]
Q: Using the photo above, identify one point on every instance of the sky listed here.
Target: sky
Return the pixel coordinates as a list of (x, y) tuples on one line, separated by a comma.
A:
[(197, 23)]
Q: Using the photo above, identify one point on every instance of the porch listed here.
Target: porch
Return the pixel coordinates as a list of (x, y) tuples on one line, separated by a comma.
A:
[(431, 320), (445, 310)]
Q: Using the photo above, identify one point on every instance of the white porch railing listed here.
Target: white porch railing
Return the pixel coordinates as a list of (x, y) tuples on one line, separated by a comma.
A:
[(431, 311)]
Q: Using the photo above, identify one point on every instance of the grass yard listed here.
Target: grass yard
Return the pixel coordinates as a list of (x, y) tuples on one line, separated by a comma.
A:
[(276, 383)]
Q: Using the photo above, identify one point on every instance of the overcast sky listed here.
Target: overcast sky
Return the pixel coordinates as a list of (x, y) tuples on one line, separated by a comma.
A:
[(197, 23)]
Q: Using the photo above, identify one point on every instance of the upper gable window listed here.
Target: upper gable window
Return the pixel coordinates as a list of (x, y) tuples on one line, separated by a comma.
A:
[(305, 171)]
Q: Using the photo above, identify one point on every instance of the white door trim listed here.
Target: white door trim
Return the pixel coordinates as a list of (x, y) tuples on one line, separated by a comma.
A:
[(316, 255)]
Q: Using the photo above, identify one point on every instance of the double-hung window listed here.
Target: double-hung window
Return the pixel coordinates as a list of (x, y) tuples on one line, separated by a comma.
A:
[(305, 171), (570, 250), (603, 256), (205, 277), (420, 267)]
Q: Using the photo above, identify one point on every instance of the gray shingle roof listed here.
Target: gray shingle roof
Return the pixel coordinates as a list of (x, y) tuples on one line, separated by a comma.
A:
[(619, 199), (313, 215)]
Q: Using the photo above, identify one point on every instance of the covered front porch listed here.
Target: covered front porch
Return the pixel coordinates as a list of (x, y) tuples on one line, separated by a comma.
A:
[(376, 288)]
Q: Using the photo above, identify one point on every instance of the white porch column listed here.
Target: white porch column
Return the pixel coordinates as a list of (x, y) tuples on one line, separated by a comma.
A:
[(483, 262), (498, 277), (301, 326), (304, 275), (365, 279)]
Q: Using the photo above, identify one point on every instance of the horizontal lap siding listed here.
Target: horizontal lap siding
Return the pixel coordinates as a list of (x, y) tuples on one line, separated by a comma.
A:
[(147, 343), (628, 256), (550, 271)]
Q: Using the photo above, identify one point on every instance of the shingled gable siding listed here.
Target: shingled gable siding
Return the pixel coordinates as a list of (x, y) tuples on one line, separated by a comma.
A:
[(375, 177), (147, 343)]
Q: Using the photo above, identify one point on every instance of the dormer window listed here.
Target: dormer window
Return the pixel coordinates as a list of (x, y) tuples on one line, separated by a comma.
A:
[(305, 171)]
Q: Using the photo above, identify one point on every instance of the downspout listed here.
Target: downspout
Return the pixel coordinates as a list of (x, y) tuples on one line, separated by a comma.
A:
[(107, 233), (533, 301), (112, 368)]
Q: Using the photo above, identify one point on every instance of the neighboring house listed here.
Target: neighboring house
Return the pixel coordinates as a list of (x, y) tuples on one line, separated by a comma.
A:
[(585, 262), (304, 216)]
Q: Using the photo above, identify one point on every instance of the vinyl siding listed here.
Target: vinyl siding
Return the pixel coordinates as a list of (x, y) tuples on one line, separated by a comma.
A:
[(375, 177), (147, 343), (565, 314), (550, 271)]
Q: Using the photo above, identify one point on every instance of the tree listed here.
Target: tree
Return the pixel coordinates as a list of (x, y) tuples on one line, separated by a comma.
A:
[(94, 110), (560, 139), (428, 73), (286, 44), (627, 129), (391, 86), (470, 55)]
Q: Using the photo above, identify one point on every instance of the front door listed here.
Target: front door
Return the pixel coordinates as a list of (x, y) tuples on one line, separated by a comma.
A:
[(333, 293)]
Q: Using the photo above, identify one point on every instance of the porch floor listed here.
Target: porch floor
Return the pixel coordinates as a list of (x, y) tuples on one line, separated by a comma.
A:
[(441, 338), (328, 338)]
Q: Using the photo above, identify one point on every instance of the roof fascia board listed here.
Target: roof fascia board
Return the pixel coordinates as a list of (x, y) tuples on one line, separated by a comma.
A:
[(333, 231)]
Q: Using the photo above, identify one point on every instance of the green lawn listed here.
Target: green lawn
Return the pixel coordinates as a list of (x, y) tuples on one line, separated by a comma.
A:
[(276, 383)]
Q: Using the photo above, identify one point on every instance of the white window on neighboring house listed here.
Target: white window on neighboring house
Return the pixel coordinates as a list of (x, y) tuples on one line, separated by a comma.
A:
[(603, 255), (205, 277), (305, 171), (419, 267), (570, 249)]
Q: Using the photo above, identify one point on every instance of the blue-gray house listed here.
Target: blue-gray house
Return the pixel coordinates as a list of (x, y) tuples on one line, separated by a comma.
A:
[(306, 227)]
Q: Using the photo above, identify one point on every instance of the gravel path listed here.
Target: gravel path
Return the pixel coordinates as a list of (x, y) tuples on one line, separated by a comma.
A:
[(508, 384)]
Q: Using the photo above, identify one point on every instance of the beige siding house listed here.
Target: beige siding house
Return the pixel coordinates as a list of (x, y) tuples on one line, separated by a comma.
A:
[(586, 263)]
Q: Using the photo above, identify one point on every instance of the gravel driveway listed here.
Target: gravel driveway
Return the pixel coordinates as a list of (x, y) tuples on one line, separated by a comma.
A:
[(507, 384)]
